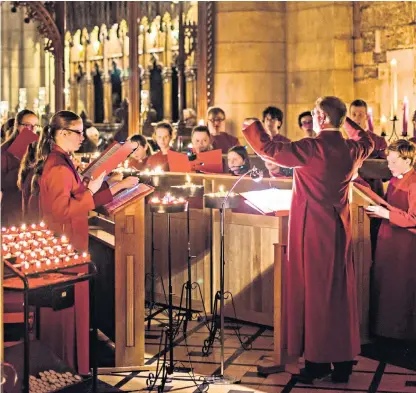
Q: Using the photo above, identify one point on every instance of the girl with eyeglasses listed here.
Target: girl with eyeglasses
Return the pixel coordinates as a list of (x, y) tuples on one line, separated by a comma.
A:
[(12, 197), (65, 202)]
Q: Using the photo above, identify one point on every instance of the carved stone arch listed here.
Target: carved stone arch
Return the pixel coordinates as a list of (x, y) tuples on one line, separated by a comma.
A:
[(48, 28)]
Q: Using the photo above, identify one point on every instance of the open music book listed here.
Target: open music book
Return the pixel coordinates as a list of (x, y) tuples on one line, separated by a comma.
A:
[(206, 162), (115, 154), (369, 195), (127, 195), (19, 146), (268, 201)]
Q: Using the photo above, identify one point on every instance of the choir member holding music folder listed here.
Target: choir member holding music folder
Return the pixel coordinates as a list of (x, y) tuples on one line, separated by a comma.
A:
[(201, 159), (12, 152), (163, 136), (65, 201), (321, 303), (394, 274)]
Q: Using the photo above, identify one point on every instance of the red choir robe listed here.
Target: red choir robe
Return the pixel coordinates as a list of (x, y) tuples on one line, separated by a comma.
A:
[(224, 142), (280, 138), (320, 297), (394, 270), (11, 212), (65, 203), (139, 165), (158, 159)]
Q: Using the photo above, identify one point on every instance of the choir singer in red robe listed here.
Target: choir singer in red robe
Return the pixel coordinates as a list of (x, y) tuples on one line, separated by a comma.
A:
[(322, 316), (394, 274), (65, 202), (11, 212)]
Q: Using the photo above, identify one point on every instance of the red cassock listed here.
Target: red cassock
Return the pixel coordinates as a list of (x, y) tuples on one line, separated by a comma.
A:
[(280, 138), (139, 165), (65, 203), (380, 146), (394, 279), (224, 142), (11, 212), (320, 299), (158, 159)]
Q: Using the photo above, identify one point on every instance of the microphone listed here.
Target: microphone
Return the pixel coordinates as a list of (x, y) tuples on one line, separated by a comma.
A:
[(256, 174)]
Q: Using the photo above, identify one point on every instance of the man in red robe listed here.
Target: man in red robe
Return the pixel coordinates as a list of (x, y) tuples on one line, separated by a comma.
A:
[(216, 125), (322, 317), (394, 274)]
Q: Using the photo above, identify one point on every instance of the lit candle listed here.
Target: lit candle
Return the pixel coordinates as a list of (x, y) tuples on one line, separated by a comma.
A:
[(42, 224), (405, 115), (23, 227), (393, 74), (383, 122), (370, 119), (188, 179), (201, 122)]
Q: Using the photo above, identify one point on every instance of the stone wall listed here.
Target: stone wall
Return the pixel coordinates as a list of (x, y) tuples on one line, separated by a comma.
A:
[(249, 59), (289, 53), (382, 31), (22, 58)]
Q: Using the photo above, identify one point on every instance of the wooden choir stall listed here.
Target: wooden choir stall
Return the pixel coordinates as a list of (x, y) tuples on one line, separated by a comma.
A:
[(131, 242)]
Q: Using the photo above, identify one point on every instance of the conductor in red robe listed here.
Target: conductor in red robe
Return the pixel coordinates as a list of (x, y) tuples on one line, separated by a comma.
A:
[(322, 316), (393, 297)]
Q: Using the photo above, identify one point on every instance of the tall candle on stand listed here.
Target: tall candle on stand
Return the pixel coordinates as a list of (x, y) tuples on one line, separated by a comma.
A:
[(393, 73), (370, 120), (383, 121), (405, 115)]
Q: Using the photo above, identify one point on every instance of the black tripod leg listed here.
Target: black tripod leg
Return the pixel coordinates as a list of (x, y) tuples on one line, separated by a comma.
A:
[(213, 328)]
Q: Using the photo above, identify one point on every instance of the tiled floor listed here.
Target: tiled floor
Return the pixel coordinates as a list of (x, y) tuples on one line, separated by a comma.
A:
[(369, 375)]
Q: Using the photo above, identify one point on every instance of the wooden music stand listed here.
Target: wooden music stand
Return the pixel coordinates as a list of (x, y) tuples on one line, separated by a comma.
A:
[(129, 248), (278, 201)]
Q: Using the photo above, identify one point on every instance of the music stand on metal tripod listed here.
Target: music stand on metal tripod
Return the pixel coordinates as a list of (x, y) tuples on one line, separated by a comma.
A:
[(223, 201)]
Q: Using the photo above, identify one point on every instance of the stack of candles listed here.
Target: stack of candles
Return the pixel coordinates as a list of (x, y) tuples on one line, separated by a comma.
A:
[(157, 171), (216, 200), (35, 249), (189, 188), (168, 204)]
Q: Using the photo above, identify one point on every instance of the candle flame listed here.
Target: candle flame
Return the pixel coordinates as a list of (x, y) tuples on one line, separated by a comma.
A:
[(393, 62), (221, 189), (370, 110), (201, 122), (383, 119)]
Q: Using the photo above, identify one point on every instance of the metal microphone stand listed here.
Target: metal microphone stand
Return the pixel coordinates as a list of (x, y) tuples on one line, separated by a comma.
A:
[(221, 379)]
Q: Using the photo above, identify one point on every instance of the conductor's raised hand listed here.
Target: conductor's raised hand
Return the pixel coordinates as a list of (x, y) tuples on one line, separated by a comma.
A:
[(95, 184)]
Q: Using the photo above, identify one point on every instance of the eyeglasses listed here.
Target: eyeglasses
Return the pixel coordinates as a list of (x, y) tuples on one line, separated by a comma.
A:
[(216, 120), (31, 126), (305, 123), (75, 131)]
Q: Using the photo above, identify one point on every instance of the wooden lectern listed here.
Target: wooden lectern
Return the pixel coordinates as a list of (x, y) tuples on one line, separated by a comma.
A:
[(127, 225)]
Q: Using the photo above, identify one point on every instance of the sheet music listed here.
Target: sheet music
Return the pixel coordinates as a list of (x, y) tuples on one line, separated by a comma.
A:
[(270, 200)]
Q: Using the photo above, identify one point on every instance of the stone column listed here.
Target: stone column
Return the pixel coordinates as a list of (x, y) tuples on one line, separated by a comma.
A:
[(134, 114), (167, 93), (190, 77), (125, 62), (249, 67), (319, 56)]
